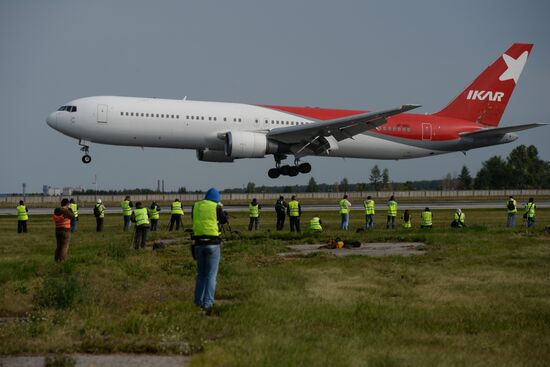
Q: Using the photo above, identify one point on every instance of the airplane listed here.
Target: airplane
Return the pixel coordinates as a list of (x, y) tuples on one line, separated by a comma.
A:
[(224, 132)]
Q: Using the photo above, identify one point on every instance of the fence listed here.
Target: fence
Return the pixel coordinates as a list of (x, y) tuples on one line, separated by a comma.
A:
[(322, 196)]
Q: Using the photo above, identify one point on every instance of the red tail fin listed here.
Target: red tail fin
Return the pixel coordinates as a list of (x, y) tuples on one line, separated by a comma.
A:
[(486, 98)]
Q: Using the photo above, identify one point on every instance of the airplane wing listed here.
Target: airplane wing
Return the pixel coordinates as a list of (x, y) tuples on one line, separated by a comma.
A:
[(339, 129), (499, 131)]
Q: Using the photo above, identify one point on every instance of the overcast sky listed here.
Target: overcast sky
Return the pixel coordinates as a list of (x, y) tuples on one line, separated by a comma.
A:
[(342, 54)]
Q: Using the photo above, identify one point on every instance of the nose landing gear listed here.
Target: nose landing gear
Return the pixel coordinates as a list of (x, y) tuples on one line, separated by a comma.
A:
[(86, 158), (288, 170)]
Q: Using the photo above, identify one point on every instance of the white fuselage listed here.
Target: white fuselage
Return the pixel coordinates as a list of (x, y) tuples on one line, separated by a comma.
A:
[(183, 124)]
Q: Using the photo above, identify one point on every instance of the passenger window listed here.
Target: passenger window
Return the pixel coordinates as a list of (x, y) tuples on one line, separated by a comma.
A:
[(122, 114), (162, 115), (177, 116), (131, 114), (239, 120), (214, 119), (209, 118), (225, 119)]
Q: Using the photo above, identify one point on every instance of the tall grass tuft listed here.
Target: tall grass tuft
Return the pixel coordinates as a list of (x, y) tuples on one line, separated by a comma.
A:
[(59, 291)]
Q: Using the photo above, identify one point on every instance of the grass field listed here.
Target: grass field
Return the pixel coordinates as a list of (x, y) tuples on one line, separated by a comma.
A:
[(481, 296)]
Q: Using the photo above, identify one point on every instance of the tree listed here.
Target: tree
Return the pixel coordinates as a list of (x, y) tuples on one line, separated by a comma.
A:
[(344, 185), (361, 186), (312, 186), (386, 179), (492, 175), (335, 187), (375, 178), (182, 190), (526, 169), (464, 179), (450, 182), (250, 187)]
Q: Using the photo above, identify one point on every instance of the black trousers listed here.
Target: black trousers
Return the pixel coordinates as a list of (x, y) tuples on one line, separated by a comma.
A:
[(99, 224), (175, 218), (295, 224), (254, 222), (141, 236), (154, 224), (22, 226), (280, 221)]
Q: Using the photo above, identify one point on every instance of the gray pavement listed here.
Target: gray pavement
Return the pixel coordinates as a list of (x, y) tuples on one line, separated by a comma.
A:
[(323, 207), (99, 360)]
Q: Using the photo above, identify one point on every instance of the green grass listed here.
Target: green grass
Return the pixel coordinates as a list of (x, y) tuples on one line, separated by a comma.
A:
[(481, 296)]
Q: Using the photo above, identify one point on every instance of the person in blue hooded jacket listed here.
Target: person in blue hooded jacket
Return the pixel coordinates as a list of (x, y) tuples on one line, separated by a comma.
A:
[(206, 215)]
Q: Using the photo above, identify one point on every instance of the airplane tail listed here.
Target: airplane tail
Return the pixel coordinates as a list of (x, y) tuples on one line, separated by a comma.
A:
[(485, 100)]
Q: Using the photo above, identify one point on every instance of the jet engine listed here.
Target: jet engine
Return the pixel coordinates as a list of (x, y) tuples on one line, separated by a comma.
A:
[(246, 144), (206, 155)]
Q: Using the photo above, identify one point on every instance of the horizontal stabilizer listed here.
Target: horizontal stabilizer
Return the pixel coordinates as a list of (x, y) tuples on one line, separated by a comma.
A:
[(499, 131)]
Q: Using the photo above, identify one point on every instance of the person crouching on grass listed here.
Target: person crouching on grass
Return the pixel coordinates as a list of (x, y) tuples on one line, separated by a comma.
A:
[(62, 218)]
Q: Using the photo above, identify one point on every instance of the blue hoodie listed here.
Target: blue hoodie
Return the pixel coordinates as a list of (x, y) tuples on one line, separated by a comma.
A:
[(212, 195)]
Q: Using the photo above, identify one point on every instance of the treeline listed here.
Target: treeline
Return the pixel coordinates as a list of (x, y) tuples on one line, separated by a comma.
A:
[(522, 169)]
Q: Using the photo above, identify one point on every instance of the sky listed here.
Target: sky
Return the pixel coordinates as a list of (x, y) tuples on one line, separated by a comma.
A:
[(342, 54)]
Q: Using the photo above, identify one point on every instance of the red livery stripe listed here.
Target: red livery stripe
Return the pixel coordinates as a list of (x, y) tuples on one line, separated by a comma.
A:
[(316, 113)]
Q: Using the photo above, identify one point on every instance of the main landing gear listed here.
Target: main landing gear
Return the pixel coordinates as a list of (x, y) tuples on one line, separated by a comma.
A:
[(86, 158), (287, 170)]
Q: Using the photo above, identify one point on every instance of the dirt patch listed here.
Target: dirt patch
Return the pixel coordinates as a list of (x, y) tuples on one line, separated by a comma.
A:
[(379, 249), (107, 360)]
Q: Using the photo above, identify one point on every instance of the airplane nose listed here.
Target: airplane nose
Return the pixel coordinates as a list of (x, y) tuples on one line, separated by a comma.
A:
[(51, 120)]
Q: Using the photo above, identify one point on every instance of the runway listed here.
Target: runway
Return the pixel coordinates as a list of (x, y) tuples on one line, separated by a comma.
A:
[(442, 205)]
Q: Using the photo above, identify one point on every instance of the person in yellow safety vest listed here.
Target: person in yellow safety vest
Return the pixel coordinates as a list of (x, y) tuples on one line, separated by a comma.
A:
[(294, 211), (154, 210), (73, 206), (392, 213), (407, 220), (127, 206), (99, 214), (207, 215), (459, 220), (315, 224), (530, 212), (140, 217), (369, 213), (344, 205), (512, 208), (176, 211), (254, 214), (62, 218), (426, 219), (22, 217)]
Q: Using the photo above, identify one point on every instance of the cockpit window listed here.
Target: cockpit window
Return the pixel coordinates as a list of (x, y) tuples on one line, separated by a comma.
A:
[(67, 108)]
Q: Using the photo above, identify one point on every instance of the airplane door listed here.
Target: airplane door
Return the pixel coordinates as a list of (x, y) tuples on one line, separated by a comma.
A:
[(426, 131), (101, 113)]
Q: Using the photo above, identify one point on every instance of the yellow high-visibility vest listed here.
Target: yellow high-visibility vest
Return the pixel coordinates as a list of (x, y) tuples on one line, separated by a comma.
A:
[(530, 210), (293, 208), (154, 213), (74, 209), (101, 209), (315, 224), (515, 210), (408, 223), (22, 212), (205, 219), (141, 216), (254, 210), (126, 208), (392, 209), (343, 206), (426, 218), (369, 207), (176, 208)]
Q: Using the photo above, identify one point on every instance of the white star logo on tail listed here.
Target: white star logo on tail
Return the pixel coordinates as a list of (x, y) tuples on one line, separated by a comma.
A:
[(515, 66)]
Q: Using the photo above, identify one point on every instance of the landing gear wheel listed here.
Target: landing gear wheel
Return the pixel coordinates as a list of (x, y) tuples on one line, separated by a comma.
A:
[(86, 159), (305, 168), (285, 170), (293, 171), (274, 173)]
